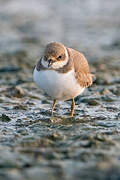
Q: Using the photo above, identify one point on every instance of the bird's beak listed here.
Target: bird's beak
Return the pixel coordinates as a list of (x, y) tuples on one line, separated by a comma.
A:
[(50, 62)]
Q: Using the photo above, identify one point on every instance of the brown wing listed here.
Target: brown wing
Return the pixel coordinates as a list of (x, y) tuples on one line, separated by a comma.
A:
[(82, 71)]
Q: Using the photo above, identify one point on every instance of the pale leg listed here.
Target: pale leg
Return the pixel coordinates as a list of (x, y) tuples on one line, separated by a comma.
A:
[(53, 106), (72, 107)]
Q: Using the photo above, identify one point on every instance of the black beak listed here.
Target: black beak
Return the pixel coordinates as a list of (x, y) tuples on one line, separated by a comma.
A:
[(50, 62)]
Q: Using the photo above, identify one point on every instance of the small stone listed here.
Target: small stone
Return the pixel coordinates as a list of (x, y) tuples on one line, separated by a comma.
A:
[(105, 92), (16, 92), (20, 107), (93, 103), (90, 101), (5, 118), (107, 99), (116, 91)]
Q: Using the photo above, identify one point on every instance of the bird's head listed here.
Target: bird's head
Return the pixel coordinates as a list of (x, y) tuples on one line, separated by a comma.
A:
[(55, 56)]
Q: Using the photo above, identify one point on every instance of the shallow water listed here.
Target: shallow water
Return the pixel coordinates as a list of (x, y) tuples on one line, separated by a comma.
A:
[(34, 145)]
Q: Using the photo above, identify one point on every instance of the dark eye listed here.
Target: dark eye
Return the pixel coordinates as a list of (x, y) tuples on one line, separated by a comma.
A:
[(59, 57)]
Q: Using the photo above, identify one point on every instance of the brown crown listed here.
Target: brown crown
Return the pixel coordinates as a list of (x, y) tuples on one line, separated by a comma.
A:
[(54, 49)]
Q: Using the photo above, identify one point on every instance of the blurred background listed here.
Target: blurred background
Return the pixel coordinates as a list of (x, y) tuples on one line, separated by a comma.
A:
[(31, 147)]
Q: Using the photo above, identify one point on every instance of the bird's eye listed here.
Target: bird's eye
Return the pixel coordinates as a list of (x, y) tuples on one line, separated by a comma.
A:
[(59, 57)]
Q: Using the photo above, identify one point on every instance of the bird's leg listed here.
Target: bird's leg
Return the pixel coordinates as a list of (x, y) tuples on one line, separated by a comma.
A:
[(72, 107), (53, 106)]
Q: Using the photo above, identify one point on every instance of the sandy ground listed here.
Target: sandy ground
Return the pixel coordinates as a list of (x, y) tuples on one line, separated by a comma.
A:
[(34, 145)]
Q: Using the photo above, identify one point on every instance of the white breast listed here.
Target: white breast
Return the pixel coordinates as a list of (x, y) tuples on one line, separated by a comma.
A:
[(59, 86)]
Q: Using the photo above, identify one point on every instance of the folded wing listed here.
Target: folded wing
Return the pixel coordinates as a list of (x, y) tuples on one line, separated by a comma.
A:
[(82, 71)]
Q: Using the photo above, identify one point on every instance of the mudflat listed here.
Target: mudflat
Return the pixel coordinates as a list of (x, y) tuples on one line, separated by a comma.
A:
[(34, 145)]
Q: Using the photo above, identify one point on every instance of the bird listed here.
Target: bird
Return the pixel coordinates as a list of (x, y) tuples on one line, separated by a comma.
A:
[(62, 73)]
